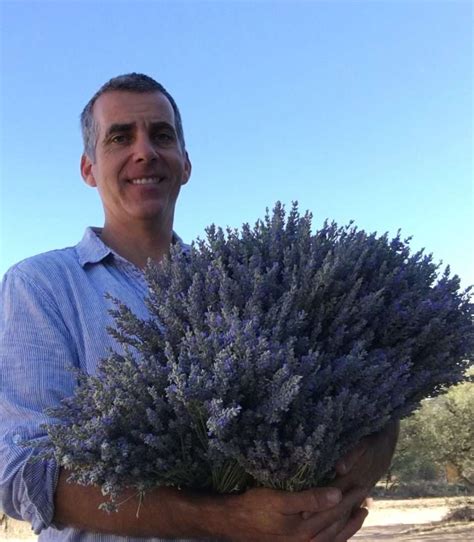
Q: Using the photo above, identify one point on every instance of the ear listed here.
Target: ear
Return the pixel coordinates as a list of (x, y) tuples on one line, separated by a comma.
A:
[(187, 169), (86, 170)]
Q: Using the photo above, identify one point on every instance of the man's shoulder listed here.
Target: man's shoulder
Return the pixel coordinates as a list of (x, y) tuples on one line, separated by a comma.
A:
[(47, 266)]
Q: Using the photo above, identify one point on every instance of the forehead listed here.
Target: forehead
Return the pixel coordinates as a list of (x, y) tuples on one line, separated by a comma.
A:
[(132, 108)]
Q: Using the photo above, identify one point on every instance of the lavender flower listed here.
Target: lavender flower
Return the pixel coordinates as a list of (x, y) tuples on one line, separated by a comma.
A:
[(269, 352)]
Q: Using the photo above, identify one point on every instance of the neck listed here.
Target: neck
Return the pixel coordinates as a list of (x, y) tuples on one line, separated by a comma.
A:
[(138, 243)]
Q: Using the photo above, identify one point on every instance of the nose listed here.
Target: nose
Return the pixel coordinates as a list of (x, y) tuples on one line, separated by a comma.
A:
[(144, 150)]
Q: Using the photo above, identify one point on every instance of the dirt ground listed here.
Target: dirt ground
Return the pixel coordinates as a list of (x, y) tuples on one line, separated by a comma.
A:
[(414, 520), (397, 520)]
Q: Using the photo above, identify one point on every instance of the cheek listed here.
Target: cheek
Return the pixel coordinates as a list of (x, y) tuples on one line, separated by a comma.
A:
[(107, 190), (107, 175)]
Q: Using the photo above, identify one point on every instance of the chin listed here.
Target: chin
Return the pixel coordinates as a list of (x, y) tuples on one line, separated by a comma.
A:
[(152, 213)]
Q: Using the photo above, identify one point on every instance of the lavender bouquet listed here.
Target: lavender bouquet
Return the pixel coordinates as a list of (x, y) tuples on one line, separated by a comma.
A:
[(269, 352)]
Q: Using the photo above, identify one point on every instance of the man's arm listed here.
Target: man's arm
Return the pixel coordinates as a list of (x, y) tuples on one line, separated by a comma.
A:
[(317, 515), (262, 515), (35, 354)]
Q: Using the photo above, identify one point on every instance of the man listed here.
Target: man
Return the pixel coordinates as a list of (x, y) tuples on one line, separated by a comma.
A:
[(54, 315)]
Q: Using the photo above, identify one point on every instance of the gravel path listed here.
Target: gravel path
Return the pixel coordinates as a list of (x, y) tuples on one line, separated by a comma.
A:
[(413, 520)]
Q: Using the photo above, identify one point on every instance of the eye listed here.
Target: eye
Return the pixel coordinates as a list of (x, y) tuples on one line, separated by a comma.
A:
[(119, 138), (164, 138)]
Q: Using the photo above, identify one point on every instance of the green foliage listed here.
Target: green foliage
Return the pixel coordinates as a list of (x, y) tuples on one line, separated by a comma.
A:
[(438, 435), (412, 460), (452, 428)]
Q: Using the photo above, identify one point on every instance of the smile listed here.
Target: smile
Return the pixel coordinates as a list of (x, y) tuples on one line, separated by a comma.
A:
[(146, 180)]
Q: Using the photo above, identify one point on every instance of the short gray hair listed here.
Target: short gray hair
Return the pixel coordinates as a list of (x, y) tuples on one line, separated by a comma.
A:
[(130, 82)]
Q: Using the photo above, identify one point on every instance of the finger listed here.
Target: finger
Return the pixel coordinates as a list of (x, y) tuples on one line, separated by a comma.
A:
[(337, 524), (344, 528), (312, 500), (348, 460), (353, 525), (323, 527)]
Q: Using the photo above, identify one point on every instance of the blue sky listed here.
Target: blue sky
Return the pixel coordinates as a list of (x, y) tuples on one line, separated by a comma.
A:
[(357, 109)]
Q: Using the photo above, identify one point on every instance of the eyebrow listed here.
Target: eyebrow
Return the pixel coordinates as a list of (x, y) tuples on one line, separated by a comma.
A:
[(119, 128), (129, 126)]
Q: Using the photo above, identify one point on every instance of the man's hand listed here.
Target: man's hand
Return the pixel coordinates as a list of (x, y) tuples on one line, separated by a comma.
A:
[(357, 473), (363, 466), (314, 515)]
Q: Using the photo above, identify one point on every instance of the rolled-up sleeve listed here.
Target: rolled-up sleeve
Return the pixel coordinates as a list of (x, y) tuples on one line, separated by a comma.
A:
[(36, 354)]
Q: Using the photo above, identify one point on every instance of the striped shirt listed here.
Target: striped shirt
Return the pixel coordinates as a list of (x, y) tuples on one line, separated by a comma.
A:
[(53, 316)]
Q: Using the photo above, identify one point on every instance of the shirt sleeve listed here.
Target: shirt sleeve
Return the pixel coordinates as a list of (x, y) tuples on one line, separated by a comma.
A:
[(36, 354)]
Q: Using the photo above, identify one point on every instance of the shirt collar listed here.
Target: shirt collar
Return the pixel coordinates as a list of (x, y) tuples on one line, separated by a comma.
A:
[(91, 249)]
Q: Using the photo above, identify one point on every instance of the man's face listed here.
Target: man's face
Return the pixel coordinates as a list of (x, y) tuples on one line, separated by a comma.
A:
[(139, 165)]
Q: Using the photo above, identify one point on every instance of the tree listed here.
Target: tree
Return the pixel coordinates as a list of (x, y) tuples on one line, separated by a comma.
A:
[(452, 431), (413, 457), (439, 436)]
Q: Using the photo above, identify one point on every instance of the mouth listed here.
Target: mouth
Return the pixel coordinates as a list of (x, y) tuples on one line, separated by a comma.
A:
[(146, 180)]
